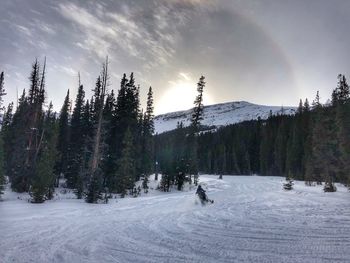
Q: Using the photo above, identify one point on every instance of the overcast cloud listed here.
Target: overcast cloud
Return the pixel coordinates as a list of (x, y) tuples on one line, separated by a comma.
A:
[(269, 52)]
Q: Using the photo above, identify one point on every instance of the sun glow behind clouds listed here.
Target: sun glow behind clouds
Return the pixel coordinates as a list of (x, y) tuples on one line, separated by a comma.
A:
[(180, 95)]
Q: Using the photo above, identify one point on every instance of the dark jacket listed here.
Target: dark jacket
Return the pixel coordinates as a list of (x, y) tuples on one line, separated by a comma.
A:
[(200, 190)]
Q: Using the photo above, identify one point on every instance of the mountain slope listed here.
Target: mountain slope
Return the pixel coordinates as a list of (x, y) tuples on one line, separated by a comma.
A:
[(220, 115)]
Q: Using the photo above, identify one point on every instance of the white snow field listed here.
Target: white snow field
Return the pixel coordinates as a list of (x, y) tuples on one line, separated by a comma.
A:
[(252, 220)]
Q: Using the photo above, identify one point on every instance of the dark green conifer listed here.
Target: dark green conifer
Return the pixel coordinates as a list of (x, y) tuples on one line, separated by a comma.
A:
[(76, 141), (42, 183), (63, 138), (126, 172)]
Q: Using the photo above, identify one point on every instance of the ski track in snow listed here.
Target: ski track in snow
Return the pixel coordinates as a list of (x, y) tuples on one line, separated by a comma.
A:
[(252, 220)]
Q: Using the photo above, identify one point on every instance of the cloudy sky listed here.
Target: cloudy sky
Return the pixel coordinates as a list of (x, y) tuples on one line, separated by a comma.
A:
[(270, 52)]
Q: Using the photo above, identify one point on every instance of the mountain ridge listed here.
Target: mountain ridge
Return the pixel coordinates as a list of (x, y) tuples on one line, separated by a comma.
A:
[(221, 114)]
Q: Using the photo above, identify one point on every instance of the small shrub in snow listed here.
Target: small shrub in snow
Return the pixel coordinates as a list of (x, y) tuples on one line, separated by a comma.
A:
[(288, 185), (329, 187)]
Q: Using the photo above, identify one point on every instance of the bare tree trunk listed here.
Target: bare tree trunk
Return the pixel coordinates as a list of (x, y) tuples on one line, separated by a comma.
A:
[(97, 139)]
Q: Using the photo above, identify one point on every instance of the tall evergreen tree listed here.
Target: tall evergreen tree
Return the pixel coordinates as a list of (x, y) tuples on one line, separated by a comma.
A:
[(149, 116), (108, 165), (42, 183), (16, 146), (7, 136), (2, 170), (63, 138), (280, 148), (127, 116), (2, 88), (95, 171), (126, 172), (341, 93), (2, 150), (343, 135), (77, 140), (322, 163), (147, 136), (306, 136), (36, 118), (267, 163), (295, 146), (197, 115), (191, 155), (84, 165), (316, 102), (26, 130), (115, 134), (342, 113)]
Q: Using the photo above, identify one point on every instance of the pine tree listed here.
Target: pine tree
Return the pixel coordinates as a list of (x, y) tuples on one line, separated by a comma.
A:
[(145, 184), (168, 174), (191, 153), (295, 147), (343, 123), (2, 170), (267, 147), (36, 117), (94, 190), (164, 184), (63, 138), (316, 102), (197, 115), (312, 173), (342, 113), (16, 146), (139, 143), (134, 121), (108, 165), (306, 136), (181, 170), (280, 149), (84, 165), (7, 137), (2, 150), (322, 163), (95, 171), (126, 116), (147, 136), (114, 136), (26, 132), (76, 141), (42, 183), (126, 172), (2, 88), (341, 93), (149, 116)]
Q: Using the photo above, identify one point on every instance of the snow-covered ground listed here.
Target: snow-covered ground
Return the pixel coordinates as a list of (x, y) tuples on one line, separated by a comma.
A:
[(220, 115), (252, 220)]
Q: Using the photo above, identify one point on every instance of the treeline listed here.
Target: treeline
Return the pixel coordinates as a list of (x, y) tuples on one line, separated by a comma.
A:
[(312, 145), (100, 145), (105, 144)]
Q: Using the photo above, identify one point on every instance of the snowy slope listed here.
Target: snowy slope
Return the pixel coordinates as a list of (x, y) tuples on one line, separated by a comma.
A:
[(219, 115), (252, 220)]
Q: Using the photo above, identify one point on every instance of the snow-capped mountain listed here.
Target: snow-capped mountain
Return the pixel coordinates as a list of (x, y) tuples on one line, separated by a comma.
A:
[(220, 115)]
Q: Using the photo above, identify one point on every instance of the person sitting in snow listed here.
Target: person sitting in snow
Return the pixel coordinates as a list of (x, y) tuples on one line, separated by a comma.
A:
[(201, 193)]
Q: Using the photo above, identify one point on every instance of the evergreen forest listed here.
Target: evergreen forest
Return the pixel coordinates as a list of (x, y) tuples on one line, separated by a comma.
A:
[(104, 144)]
